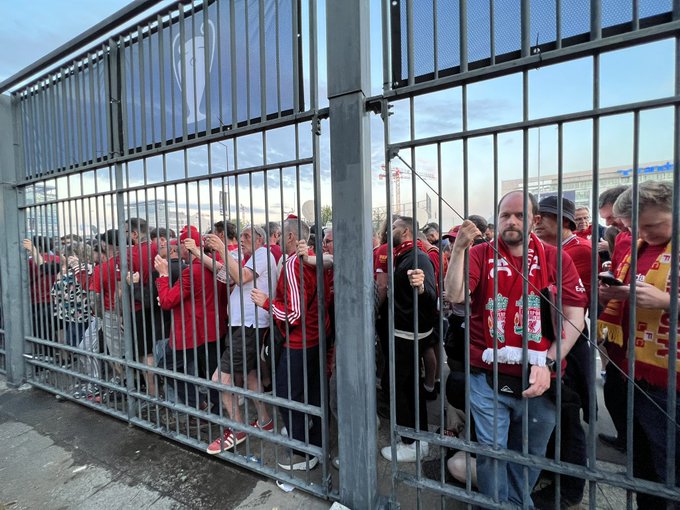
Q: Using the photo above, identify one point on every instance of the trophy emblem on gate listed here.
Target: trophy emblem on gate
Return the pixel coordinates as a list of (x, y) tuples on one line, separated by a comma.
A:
[(192, 53)]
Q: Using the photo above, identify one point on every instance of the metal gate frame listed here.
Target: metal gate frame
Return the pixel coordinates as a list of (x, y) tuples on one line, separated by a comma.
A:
[(350, 107), (530, 57)]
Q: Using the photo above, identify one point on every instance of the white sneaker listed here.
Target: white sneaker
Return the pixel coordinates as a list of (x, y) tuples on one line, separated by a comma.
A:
[(406, 452), (299, 463)]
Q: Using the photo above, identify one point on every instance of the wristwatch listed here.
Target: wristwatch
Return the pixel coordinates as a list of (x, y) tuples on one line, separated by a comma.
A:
[(551, 364)]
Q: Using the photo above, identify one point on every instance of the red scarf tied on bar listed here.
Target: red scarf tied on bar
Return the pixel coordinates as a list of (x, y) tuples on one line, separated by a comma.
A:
[(509, 305)]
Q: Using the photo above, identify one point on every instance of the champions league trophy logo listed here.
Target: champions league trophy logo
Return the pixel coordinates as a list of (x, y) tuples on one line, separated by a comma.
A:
[(192, 52)]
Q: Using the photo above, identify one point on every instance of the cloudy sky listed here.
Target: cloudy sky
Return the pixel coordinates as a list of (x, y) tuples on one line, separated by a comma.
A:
[(33, 29)]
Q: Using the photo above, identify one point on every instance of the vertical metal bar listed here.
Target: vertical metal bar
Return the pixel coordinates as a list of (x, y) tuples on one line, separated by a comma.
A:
[(316, 171), (12, 274), (102, 109), (247, 61), (435, 45), (297, 76), (44, 132), (414, 291), (495, 327), (632, 301), (595, 19), (152, 115), (25, 112), (410, 41), (636, 14), (440, 324), (38, 129), (558, 332), (66, 102), (348, 83), (161, 82), (263, 63), (526, 490), (492, 32), (24, 133), (525, 13), (53, 123), (671, 428), (172, 71), (93, 130), (142, 86), (593, 312), (463, 36), (207, 65), (130, 117), (183, 70), (558, 24), (278, 55), (194, 100), (116, 84), (233, 74), (127, 146), (218, 52), (386, 54), (79, 127)]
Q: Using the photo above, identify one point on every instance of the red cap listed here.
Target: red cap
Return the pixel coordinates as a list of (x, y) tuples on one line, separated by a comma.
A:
[(291, 217), (188, 232), (451, 234)]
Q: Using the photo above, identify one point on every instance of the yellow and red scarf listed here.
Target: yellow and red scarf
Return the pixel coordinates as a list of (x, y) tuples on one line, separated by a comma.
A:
[(652, 333)]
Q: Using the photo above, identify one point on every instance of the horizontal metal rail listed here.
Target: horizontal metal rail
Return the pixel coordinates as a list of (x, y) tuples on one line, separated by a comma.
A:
[(183, 180), (539, 122), (534, 61), (219, 135)]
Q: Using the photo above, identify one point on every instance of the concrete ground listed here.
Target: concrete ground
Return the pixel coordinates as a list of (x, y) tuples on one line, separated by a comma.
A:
[(58, 455)]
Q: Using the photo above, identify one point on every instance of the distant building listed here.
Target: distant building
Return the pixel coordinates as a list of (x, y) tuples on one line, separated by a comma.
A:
[(42, 220), (578, 185), (157, 213)]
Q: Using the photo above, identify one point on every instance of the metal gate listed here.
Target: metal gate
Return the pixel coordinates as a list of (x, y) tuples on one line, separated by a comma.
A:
[(198, 125), (209, 121), (483, 99)]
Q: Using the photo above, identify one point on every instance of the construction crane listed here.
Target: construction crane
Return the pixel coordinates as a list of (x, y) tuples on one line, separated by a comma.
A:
[(397, 175)]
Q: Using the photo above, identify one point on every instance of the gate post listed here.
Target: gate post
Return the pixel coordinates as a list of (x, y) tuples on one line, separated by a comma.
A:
[(347, 29), (12, 272)]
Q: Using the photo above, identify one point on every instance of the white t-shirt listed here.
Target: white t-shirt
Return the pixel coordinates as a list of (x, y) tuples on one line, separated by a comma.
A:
[(264, 271)]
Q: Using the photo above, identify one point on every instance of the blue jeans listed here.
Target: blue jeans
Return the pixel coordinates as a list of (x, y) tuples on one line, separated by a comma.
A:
[(508, 479), (649, 443)]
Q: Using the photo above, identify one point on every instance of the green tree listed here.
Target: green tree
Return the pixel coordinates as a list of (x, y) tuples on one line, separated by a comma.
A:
[(326, 214)]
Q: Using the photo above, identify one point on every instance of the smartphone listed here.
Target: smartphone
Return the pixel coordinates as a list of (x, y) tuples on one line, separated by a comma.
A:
[(608, 279)]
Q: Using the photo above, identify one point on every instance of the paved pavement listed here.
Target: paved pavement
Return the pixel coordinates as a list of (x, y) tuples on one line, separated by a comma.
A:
[(57, 455)]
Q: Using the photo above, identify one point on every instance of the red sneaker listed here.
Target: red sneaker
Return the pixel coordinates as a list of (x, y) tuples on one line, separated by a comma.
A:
[(268, 427), (228, 441)]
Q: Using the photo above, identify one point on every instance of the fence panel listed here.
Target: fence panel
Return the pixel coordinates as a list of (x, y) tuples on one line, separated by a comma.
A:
[(166, 171), (495, 114)]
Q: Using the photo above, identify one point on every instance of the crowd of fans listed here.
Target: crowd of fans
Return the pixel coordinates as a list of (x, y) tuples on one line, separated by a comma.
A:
[(246, 312)]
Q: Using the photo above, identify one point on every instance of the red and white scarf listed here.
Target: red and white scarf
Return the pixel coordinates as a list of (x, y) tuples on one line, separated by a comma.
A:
[(506, 331)]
